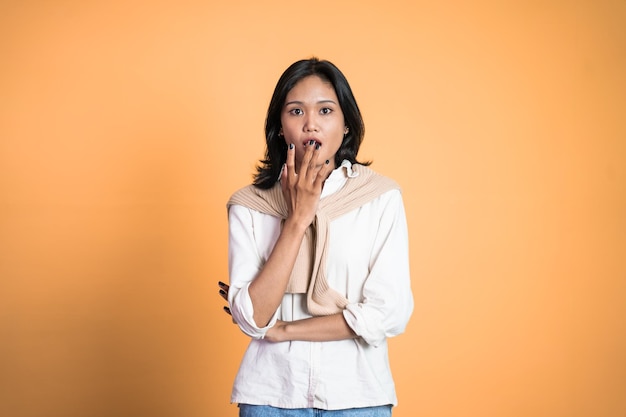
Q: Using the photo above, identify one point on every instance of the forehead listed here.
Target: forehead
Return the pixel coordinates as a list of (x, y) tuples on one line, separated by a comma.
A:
[(312, 88)]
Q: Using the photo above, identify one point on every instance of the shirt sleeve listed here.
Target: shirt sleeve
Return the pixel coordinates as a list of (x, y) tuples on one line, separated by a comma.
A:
[(387, 302), (244, 263)]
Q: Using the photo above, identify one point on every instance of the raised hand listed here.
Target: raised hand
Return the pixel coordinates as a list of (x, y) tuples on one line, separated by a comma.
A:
[(302, 186)]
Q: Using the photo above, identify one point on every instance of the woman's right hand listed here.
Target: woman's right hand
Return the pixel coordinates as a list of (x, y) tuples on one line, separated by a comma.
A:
[(302, 188)]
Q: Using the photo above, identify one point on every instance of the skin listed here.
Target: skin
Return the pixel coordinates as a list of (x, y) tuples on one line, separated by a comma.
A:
[(313, 127)]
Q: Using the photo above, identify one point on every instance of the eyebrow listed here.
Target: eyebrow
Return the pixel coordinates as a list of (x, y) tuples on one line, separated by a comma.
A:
[(301, 103)]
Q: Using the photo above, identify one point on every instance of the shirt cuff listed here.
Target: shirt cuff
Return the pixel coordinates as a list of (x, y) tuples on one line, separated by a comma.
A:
[(366, 323), (243, 313)]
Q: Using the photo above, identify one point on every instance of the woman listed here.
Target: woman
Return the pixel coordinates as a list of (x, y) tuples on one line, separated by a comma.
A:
[(318, 259)]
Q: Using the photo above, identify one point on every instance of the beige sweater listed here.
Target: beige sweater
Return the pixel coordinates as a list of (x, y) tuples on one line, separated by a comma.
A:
[(309, 272)]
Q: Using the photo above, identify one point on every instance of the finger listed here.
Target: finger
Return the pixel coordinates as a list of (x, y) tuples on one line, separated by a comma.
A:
[(322, 173), (290, 163), (306, 159), (223, 290), (289, 175), (314, 164), (288, 179)]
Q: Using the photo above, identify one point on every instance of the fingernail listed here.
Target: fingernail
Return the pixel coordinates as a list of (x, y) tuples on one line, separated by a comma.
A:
[(222, 292), (311, 142), (220, 283), (327, 162), (317, 146), (291, 146), (226, 309)]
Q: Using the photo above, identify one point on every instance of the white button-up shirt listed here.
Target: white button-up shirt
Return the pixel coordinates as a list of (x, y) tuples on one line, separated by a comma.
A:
[(368, 262)]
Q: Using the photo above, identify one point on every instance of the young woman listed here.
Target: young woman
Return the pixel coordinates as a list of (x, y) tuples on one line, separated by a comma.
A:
[(318, 260)]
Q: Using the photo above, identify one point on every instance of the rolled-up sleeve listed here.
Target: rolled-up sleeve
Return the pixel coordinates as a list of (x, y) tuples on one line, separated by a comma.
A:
[(244, 263), (387, 300)]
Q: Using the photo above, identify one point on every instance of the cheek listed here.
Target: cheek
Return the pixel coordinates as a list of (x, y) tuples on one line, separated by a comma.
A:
[(338, 140), (288, 132), (284, 124)]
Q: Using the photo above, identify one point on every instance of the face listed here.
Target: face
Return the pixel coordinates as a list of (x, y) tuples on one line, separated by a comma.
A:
[(312, 113)]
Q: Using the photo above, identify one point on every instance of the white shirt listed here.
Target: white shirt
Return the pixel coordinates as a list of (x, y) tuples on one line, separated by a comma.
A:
[(368, 262)]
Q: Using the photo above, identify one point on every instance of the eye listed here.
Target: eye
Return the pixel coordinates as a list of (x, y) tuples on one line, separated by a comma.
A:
[(296, 112), (326, 110)]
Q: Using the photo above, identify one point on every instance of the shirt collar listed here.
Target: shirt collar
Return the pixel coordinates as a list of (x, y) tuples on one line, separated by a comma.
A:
[(338, 178), (342, 172)]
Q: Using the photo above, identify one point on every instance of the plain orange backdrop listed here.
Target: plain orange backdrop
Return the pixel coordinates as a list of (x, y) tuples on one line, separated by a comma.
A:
[(125, 126)]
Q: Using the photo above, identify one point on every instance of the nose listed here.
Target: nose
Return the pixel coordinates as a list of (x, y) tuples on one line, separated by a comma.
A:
[(310, 123)]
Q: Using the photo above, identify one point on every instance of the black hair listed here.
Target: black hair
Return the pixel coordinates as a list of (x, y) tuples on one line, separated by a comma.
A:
[(276, 148)]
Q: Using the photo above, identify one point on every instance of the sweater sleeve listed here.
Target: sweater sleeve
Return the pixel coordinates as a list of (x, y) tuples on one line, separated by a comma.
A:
[(244, 263), (387, 301)]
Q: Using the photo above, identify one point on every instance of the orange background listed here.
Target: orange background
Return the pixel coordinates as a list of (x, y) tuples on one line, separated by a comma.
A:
[(125, 126)]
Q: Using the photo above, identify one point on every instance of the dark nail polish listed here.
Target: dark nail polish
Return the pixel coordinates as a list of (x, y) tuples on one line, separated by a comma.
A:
[(317, 146), (327, 162), (226, 309), (311, 142), (291, 146), (222, 292), (220, 283)]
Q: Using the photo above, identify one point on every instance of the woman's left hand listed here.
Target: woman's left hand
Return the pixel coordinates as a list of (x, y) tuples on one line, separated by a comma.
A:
[(224, 294)]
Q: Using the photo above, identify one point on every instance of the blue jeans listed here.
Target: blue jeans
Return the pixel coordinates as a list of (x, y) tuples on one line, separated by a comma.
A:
[(247, 410)]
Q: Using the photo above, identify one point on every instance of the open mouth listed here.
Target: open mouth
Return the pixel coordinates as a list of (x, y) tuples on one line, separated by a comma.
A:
[(315, 142)]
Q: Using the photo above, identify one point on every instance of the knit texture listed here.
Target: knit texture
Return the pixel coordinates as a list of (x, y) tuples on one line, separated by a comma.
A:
[(309, 272)]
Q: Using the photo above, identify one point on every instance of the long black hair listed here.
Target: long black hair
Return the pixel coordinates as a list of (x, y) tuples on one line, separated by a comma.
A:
[(276, 148)]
